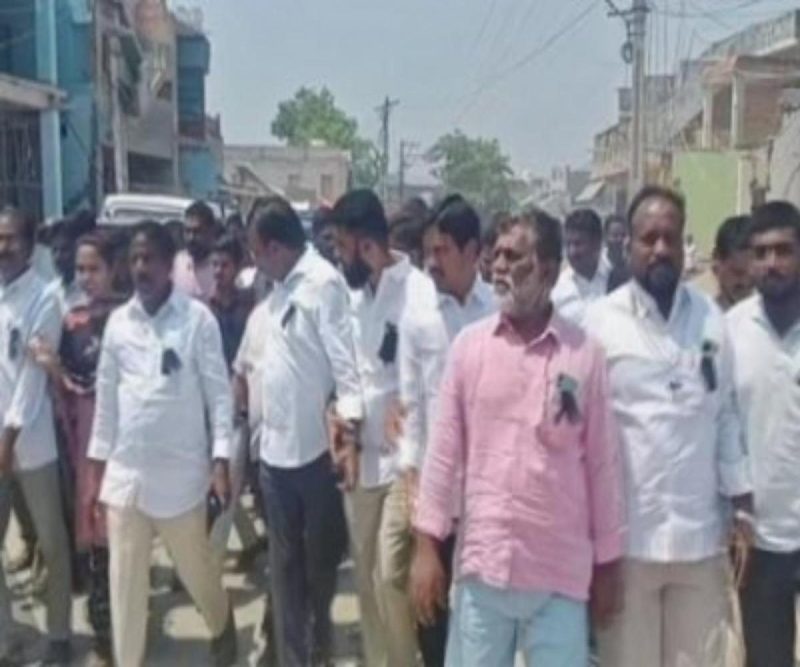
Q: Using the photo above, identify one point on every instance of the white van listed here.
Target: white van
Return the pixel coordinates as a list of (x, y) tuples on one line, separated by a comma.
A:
[(126, 210)]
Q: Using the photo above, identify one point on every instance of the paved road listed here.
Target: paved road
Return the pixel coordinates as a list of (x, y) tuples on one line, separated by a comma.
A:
[(177, 633)]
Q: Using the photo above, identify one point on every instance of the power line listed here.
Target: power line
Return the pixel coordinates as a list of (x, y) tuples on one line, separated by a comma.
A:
[(572, 24)]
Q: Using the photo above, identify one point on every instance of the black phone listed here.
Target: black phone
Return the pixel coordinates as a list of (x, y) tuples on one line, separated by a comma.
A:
[(214, 508)]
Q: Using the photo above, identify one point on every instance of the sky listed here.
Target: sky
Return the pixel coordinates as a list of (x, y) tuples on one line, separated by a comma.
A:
[(538, 75)]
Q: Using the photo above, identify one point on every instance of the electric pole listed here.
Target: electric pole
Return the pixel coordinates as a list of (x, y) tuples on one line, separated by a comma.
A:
[(385, 112), (638, 31), (406, 148), (633, 53)]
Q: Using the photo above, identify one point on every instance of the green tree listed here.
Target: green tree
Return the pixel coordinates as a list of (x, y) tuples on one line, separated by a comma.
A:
[(312, 116), (474, 167)]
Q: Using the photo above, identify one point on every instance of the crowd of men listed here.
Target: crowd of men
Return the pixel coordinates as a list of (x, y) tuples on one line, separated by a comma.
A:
[(519, 456)]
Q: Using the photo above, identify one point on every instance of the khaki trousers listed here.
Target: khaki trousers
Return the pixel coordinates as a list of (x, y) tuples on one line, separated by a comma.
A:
[(381, 546), (130, 535), (41, 489), (675, 615)]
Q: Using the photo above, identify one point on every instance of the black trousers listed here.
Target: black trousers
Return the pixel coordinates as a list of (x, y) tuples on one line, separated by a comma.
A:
[(433, 638), (768, 608), (307, 541)]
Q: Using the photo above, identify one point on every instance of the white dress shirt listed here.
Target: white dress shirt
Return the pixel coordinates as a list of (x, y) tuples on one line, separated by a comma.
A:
[(424, 343), (27, 310), (158, 378), (308, 357), (681, 437), (402, 291), (573, 293), (768, 391)]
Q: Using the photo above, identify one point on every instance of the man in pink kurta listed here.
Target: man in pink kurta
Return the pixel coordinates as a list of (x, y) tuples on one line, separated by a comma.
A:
[(524, 417)]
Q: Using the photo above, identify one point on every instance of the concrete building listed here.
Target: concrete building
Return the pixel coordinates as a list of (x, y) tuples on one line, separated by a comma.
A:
[(312, 176), (89, 104), (712, 135)]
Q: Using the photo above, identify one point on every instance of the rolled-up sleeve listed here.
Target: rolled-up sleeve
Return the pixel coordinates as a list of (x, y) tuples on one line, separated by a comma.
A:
[(733, 466), (216, 387), (603, 467), (31, 388), (336, 332), (442, 469), (106, 408)]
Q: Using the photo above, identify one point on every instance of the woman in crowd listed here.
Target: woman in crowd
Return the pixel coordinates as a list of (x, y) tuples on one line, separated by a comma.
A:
[(72, 369)]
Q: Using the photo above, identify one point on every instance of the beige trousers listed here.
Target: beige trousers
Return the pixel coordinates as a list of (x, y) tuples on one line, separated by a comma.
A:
[(381, 546), (675, 615), (130, 535), (42, 490)]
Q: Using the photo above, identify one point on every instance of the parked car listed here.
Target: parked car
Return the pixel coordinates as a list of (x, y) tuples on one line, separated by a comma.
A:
[(125, 210)]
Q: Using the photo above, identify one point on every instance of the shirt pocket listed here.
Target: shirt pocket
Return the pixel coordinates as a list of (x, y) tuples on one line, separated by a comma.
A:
[(563, 420)]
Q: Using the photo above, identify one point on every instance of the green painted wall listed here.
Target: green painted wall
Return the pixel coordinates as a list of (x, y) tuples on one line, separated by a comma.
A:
[(709, 181)]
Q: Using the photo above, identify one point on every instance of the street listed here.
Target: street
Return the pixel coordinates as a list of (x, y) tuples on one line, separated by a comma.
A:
[(177, 633)]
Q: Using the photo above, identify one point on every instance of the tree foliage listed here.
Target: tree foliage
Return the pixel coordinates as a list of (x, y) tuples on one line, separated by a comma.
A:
[(311, 116), (474, 167)]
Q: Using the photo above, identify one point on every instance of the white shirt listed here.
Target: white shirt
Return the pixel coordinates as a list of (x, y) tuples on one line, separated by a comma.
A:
[(573, 293), (150, 425), (42, 263), (308, 356), (681, 438), (27, 310), (249, 362), (424, 343), (402, 291), (768, 392), (68, 296)]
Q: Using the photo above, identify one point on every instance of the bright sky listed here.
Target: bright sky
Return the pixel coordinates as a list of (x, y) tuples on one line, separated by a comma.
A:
[(539, 75)]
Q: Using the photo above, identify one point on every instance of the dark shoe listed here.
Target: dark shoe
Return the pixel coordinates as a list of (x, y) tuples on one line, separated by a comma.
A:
[(101, 655), (223, 648), (59, 653)]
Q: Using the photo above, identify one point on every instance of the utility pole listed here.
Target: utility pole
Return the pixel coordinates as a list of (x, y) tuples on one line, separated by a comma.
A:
[(118, 127), (633, 53), (406, 148), (638, 32), (385, 112)]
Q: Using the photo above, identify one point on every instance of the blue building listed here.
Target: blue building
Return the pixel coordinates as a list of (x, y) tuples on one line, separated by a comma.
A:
[(98, 97)]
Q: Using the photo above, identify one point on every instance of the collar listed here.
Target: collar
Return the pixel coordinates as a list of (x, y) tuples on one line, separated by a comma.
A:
[(22, 283), (601, 273), (757, 311), (644, 306), (554, 331), (396, 273), (301, 267), (481, 293), (173, 304)]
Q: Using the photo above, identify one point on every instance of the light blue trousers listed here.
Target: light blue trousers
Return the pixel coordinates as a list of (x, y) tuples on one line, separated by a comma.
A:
[(488, 625)]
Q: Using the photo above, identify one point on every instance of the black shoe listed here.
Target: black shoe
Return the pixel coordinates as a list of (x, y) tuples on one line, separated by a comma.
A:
[(102, 653), (223, 648), (59, 653)]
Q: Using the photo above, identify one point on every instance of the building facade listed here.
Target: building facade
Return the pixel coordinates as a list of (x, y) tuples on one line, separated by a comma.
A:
[(90, 103)]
